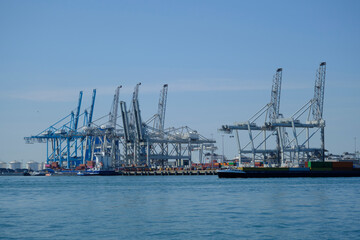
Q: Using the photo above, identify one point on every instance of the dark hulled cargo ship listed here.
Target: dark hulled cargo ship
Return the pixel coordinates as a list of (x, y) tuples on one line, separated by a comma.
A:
[(313, 169)]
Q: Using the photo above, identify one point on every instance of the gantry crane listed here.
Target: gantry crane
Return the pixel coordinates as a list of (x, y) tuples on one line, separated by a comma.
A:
[(142, 144), (257, 147), (291, 149), (66, 143), (309, 120)]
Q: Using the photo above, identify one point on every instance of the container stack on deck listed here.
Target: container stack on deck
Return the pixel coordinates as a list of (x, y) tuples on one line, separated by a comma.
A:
[(329, 166), (311, 169), (309, 166)]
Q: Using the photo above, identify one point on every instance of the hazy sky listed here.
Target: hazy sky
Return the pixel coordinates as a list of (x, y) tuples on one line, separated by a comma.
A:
[(218, 58)]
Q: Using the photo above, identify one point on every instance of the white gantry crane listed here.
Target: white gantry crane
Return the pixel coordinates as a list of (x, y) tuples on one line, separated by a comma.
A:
[(261, 133), (305, 124), (292, 136), (150, 143)]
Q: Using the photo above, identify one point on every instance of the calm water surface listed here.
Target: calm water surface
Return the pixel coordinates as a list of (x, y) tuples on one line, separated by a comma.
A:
[(178, 207)]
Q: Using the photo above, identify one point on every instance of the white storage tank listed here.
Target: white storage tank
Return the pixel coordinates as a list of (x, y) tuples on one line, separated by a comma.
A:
[(3, 165), (15, 165), (42, 166), (32, 165)]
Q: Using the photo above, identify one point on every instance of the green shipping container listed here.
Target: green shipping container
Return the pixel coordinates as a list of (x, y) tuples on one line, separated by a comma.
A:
[(320, 165)]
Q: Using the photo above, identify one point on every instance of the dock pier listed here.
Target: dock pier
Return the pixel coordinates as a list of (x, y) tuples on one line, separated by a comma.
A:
[(168, 173)]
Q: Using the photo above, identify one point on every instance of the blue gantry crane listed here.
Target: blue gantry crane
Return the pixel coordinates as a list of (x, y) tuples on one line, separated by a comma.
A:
[(64, 139)]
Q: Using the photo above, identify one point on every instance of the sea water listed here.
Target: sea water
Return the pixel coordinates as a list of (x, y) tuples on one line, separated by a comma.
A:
[(178, 207)]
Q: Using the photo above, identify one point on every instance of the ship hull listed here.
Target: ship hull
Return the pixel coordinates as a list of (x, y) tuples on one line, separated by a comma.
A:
[(285, 174), (98, 173)]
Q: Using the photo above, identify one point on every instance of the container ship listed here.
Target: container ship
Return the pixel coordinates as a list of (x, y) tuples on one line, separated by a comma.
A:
[(311, 169)]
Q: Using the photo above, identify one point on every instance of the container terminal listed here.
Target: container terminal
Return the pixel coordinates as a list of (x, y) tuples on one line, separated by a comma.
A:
[(277, 146), (78, 143)]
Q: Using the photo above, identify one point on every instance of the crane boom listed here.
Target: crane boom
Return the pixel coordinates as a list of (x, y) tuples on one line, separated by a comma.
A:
[(78, 111), (113, 115), (92, 107), (318, 100), (162, 109), (138, 122), (132, 107), (275, 96), (125, 120)]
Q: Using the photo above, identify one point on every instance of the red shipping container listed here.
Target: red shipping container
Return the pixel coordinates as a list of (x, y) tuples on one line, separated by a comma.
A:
[(342, 165)]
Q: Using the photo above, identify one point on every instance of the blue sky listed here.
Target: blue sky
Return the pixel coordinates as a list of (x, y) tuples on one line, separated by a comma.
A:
[(218, 58)]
